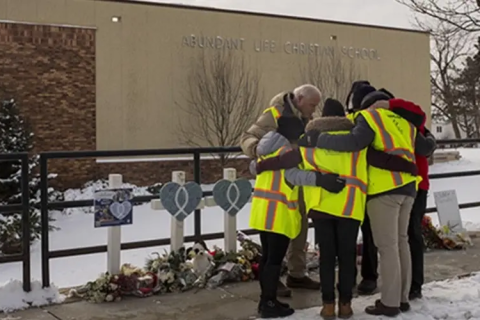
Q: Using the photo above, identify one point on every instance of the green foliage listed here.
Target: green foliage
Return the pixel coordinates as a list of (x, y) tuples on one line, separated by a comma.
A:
[(467, 86), (15, 136)]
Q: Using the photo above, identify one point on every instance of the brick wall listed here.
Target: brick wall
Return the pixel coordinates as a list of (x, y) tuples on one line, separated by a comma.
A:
[(50, 72)]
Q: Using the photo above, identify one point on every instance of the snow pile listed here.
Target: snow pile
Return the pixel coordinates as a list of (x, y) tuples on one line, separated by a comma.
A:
[(451, 299), (12, 296)]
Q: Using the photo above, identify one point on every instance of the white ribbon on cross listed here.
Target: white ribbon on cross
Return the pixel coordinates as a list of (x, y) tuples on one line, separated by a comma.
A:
[(233, 204), (181, 208)]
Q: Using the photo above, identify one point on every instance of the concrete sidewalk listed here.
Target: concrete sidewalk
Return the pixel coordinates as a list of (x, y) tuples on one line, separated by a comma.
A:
[(232, 302)]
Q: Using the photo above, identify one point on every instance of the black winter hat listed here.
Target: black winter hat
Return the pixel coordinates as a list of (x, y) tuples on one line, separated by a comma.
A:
[(333, 108), (290, 127), (387, 93), (359, 94), (355, 85), (373, 97)]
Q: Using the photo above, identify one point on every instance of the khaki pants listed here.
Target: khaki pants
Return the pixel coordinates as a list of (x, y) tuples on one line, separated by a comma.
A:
[(296, 255), (389, 216)]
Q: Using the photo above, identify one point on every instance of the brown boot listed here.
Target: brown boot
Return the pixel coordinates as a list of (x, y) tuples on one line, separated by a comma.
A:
[(345, 310), (328, 311)]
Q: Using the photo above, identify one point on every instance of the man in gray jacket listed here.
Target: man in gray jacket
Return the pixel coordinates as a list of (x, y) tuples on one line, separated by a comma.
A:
[(389, 213)]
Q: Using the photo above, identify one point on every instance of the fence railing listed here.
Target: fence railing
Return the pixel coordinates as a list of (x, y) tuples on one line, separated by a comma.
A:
[(45, 205), (24, 208)]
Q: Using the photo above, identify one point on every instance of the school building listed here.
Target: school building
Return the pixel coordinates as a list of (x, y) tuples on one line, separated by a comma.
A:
[(106, 75)]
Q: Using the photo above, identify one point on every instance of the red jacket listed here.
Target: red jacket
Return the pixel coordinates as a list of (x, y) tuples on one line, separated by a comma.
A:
[(414, 114)]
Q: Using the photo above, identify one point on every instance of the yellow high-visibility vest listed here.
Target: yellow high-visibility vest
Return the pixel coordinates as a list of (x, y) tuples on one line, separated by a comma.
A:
[(352, 116), (393, 135), (274, 203), (351, 166), (275, 112)]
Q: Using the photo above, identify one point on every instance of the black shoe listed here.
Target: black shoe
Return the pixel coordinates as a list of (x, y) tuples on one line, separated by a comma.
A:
[(379, 309), (272, 309), (404, 306), (414, 295), (269, 305), (367, 287), (283, 304)]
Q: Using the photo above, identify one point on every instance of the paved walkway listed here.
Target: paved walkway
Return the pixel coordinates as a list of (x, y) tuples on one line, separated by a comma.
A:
[(233, 302)]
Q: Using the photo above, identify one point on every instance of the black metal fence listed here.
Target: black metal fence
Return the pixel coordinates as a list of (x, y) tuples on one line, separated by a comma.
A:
[(24, 209), (196, 152), (45, 205)]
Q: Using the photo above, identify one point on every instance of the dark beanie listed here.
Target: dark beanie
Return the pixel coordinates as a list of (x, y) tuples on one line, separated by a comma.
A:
[(387, 93), (333, 108), (355, 85), (359, 94), (373, 97)]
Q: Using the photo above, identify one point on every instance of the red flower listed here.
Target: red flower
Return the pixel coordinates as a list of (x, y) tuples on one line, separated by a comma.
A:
[(255, 270)]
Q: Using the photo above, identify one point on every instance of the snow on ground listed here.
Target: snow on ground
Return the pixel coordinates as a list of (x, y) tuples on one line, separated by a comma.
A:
[(76, 228), (12, 296), (451, 299)]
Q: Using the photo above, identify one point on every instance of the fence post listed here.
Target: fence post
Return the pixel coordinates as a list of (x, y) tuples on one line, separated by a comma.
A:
[(230, 222), (177, 227), (114, 239), (197, 217), (44, 221), (26, 224)]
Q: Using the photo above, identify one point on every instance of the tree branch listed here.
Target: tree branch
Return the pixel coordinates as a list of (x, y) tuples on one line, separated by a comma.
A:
[(331, 74), (222, 97), (460, 14)]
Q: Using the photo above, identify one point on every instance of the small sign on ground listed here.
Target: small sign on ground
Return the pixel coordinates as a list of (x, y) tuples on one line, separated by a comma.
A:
[(448, 210)]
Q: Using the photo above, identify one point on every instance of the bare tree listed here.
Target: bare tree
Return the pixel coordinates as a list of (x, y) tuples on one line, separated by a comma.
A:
[(461, 14), (450, 47), (331, 74), (468, 86), (221, 99)]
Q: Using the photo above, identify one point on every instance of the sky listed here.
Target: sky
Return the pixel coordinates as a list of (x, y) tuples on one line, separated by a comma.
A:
[(375, 12)]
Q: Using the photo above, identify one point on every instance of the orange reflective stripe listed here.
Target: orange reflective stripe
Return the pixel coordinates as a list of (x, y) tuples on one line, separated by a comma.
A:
[(350, 180), (350, 203), (274, 196), (389, 146)]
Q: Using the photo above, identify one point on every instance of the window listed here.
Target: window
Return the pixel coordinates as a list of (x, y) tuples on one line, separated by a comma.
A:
[(439, 129)]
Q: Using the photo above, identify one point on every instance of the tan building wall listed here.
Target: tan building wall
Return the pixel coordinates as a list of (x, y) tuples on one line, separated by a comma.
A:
[(143, 61)]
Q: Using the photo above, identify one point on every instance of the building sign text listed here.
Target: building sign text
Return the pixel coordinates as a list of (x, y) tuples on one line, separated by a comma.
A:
[(273, 46)]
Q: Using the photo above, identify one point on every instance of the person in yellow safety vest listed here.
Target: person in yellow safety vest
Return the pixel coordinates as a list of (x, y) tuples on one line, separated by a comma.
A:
[(369, 264), (301, 102), (275, 211), (328, 211), (336, 217), (390, 194)]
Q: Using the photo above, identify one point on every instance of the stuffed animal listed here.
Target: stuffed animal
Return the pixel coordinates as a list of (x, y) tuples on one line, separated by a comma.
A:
[(201, 258)]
